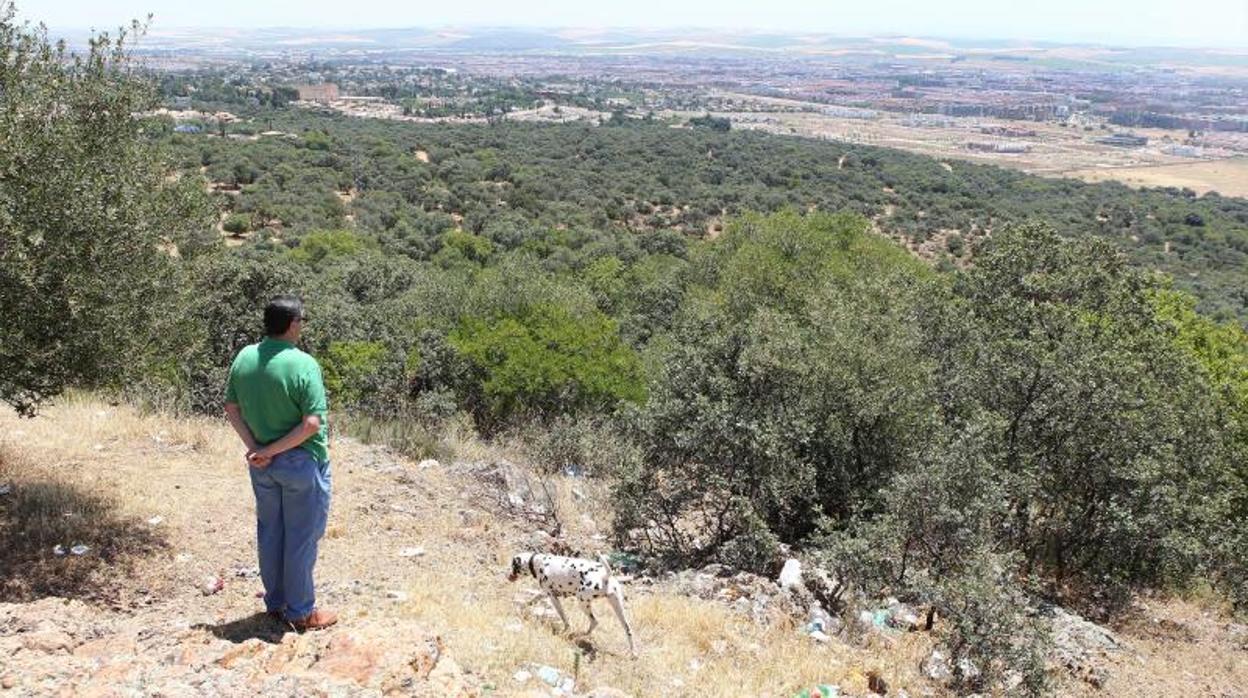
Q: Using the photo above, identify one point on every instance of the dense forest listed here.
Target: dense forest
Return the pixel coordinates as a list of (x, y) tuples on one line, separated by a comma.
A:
[(513, 183), (706, 320)]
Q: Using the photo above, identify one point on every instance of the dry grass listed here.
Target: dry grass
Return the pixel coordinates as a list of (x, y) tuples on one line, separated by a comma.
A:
[(131, 466), (1227, 177), (686, 646)]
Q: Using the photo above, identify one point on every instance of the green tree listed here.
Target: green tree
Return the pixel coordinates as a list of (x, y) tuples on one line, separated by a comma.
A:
[(1108, 436), (88, 217), (790, 388), (348, 366), (544, 362)]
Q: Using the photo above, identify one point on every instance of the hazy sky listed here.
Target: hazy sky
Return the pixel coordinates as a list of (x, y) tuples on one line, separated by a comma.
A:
[(1175, 22)]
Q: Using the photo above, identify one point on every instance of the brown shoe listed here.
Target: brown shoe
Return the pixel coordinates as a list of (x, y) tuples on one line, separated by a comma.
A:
[(316, 620)]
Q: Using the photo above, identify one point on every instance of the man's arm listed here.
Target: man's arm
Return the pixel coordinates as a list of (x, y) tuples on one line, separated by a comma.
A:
[(235, 414), (309, 425)]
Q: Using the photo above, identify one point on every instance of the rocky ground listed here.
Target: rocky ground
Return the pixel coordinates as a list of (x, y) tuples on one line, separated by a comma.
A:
[(153, 589)]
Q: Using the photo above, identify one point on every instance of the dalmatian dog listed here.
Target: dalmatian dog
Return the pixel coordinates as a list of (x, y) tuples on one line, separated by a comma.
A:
[(570, 576)]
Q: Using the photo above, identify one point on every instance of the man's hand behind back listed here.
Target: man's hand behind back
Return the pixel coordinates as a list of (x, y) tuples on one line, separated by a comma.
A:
[(257, 460)]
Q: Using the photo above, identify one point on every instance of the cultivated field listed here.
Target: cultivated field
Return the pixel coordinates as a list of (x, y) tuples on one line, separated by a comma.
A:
[(1227, 177)]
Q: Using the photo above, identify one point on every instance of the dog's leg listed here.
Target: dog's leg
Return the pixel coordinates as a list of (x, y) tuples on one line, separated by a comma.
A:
[(562, 616), (587, 606), (617, 604)]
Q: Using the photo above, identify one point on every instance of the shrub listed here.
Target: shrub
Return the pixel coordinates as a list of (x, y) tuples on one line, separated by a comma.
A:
[(544, 362), (318, 247), (237, 223), (348, 366)]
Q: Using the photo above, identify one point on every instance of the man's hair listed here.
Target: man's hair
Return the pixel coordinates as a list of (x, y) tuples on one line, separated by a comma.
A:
[(280, 312)]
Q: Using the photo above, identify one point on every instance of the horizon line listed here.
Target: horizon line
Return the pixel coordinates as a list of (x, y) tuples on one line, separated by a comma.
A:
[(1121, 43)]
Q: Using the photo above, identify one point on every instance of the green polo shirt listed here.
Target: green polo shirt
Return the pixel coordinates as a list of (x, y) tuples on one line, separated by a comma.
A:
[(277, 385)]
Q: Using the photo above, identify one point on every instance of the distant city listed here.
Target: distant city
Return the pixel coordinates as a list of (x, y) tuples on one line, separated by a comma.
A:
[(1147, 116)]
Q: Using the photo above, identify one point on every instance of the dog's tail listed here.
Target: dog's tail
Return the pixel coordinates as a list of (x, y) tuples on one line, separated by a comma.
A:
[(606, 563)]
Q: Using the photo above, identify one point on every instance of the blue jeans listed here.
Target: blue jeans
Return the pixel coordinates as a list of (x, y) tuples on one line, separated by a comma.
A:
[(292, 505)]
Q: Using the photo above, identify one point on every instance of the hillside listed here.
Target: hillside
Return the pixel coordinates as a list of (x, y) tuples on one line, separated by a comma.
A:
[(537, 187), (163, 505)]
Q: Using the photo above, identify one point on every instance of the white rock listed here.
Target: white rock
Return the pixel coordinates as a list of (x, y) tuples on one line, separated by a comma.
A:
[(791, 575), (156, 521), (820, 636), (522, 676), (428, 463), (210, 585), (411, 552), (396, 595), (936, 667)]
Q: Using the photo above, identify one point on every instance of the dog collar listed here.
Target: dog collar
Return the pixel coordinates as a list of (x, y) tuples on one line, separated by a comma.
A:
[(531, 570)]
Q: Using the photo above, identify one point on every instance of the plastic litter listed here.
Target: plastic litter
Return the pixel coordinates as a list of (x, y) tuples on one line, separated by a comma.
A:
[(396, 595), (211, 584), (823, 690), (155, 521), (549, 674), (411, 552), (556, 679), (58, 550), (5, 488), (80, 549), (624, 562)]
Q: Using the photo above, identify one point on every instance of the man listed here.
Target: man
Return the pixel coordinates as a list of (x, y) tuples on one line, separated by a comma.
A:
[(275, 400)]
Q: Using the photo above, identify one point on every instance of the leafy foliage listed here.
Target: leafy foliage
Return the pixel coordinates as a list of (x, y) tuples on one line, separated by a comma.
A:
[(544, 362), (88, 218)]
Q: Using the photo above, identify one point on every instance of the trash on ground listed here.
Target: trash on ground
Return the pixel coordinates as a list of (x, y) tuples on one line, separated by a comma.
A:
[(58, 550), (5, 488), (624, 562), (80, 549), (522, 676), (155, 521), (411, 552), (396, 595), (823, 690), (211, 584), (556, 679)]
